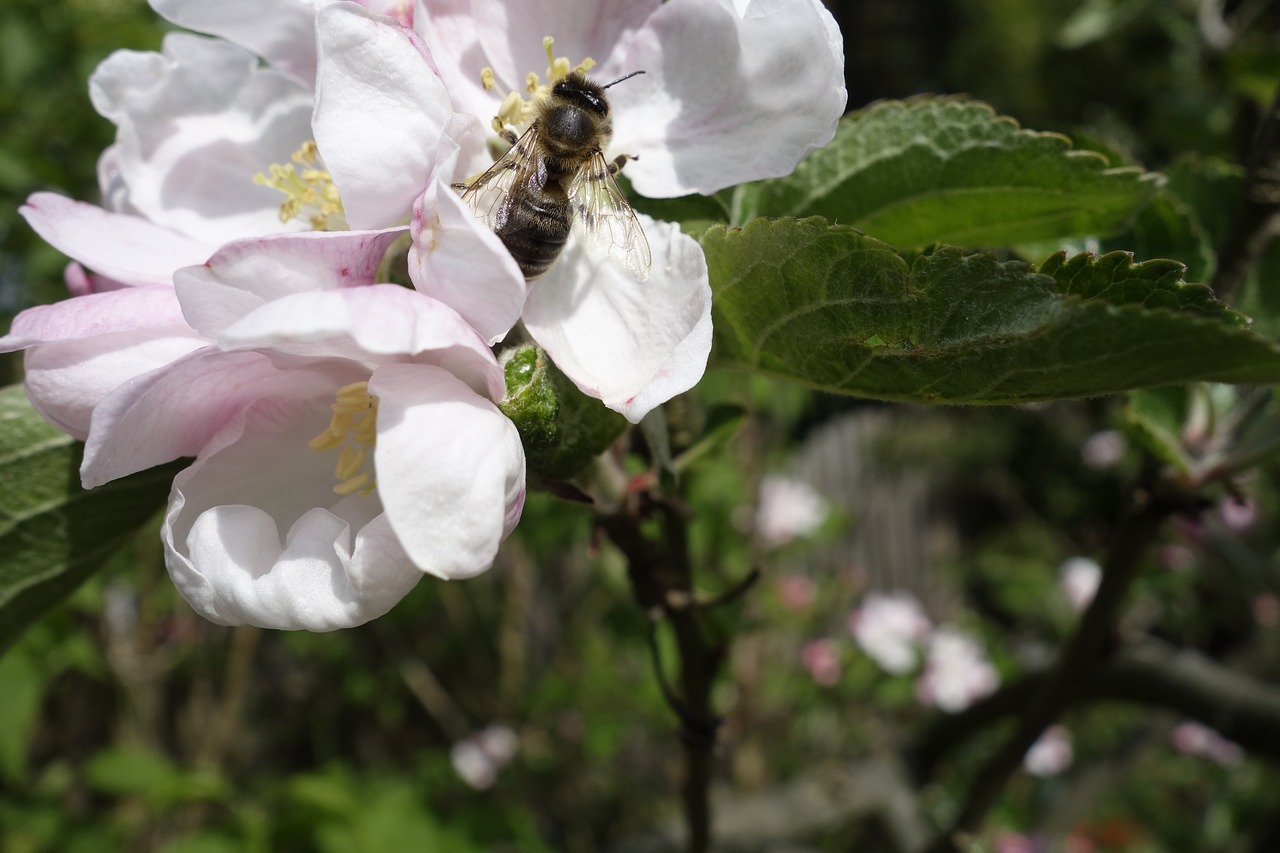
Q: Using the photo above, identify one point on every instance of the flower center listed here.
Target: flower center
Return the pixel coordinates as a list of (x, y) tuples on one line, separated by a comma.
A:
[(353, 430), (309, 191), (516, 111)]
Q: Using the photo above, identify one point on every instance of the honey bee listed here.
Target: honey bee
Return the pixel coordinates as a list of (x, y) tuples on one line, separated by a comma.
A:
[(555, 179)]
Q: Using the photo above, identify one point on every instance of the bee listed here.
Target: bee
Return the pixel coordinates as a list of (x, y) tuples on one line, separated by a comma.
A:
[(555, 179)]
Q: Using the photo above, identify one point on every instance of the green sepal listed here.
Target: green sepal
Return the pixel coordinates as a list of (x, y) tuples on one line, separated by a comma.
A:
[(561, 428)]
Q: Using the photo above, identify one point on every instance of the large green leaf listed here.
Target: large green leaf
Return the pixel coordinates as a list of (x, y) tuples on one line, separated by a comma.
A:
[(949, 170), (54, 534), (837, 310)]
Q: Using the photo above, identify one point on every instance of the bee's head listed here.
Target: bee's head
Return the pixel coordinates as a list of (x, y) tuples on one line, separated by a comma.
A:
[(576, 89)]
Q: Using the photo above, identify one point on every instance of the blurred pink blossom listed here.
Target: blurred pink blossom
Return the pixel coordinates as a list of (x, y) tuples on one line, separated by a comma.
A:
[(1103, 449), (1192, 738), (1079, 578), (956, 671), (889, 628), (796, 592), (788, 509), (820, 658), (1238, 515), (1051, 754), (1266, 610), (478, 757)]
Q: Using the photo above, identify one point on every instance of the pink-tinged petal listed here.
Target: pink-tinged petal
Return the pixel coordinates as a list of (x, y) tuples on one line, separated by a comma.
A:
[(384, 322), (450, 469), (725, 100), (81, 282), (380, 113), (124, 310), (175, 412), (194, 125), (126, 248), (246, 274), (65, 381), (456, 258), (280, 31), (634, 345), (512, 33), (255, 535)]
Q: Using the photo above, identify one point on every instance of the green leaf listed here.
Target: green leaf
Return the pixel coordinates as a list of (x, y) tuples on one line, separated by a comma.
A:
[(823, 305), (53, 533), (1155, 418), (949, 170)]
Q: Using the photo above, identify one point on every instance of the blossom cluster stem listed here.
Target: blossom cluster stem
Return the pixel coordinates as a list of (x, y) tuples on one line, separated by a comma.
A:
[(661, 576), (1076, 663)]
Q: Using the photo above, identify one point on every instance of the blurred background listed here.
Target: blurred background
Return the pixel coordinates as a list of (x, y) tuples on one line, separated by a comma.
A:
[(913, 561)]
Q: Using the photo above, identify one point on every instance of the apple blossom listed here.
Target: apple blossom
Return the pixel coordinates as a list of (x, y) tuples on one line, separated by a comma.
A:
[(788, 509), (631, 344), (1079, 578), (1050, 754), (345, 439), (956, 671), (889, 627)]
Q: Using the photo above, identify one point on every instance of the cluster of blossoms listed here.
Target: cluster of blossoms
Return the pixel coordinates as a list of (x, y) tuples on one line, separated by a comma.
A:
[(893, 630), (230, 302)]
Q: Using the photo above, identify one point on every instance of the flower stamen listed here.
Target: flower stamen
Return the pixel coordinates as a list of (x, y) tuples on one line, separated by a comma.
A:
[(353, 428), (517, 109), (310, 194)]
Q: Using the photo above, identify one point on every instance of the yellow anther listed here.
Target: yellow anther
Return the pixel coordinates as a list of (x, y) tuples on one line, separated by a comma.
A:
[(531, 83), (353, 428), (326, 441), (486, 78), (309, 193), (350, 461), (355, 484)]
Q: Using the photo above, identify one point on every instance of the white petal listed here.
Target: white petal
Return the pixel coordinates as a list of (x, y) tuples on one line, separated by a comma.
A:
[(512, 33), (726, 100), (175, 412), (372, 325), (246, 274), (632, 344), (195, 124), (255, 535), (456, 258), (449, 31), (380, 113), (126, 248), (84, 348), (280, 31), (450, 469)]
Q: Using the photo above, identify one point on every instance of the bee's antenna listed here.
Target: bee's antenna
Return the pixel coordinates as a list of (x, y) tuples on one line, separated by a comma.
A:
[(620, 79)]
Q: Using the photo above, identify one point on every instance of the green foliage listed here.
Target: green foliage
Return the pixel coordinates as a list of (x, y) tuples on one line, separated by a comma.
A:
[(821, 304), (53, 533), (949, 170)]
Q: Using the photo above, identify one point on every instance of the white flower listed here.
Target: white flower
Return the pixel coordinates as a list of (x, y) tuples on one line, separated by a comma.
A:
[(788, 509), (1050, 754), (345, 439), (478, 758), (889, 627), (956, 672), (1079, 578), (717, 106), (1192, 738)]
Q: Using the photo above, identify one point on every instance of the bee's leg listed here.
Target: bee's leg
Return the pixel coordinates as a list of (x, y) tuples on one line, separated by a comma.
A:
[(621, 160), (509, 135)]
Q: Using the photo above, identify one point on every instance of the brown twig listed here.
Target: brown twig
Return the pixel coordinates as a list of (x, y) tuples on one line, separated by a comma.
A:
[(661, 578), (1072, 671)]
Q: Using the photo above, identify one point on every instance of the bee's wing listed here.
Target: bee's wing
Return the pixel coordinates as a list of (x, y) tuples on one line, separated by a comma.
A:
[(605, 218), (493, 194)]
